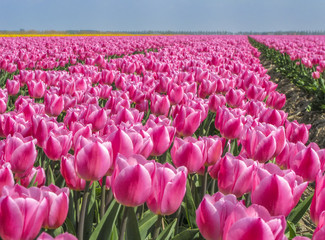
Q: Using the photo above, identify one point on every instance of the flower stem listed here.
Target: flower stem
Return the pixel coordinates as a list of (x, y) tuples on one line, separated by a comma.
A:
[(157, 227), (103, 195), (205, 181), (124, 222), (83, 212)]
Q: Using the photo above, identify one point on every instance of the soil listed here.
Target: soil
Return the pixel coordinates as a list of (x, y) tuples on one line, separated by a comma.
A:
[(297, 102)]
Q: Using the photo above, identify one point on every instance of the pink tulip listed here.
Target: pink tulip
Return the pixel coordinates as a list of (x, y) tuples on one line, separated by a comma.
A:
[(132, 180), (168, 189), (297, 132), (6, 177), (229, 124), (306, 163), (54, 104), (188, 154), (93, 160), (159, 105), (254, 223), (13, 87), (58, 204), (21, 218), (21, 153), (255, 92), (69, 174), (278, 194), (318, 203), (212, 214), (276, 100), (162, 138), (39, 178), (57, 145), (213, 148), (63, 236), (273, 116), (121, 143), (235, 97), (316, 75), (187, 121), (175, 94), (319, 233), (216, 101), (96, 117), (235, 175), (36, 89)]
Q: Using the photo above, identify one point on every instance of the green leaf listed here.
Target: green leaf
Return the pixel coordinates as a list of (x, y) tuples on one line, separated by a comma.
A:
[(147, 223), (105, 228), (132, 228), (50, 176), (190, 206), (168, 232), (90, 212), (70, 227), (31, 184), (188, 234), (297, 213), (291, 230), (58, 231)]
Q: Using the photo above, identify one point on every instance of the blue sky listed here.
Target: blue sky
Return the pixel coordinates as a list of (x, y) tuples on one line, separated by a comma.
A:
[(188, 15)]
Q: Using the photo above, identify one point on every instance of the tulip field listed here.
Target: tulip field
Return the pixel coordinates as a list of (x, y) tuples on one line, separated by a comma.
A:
[(158, 137)]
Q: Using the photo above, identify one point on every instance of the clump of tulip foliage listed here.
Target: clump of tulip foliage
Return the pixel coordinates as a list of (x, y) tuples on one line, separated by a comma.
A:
[(161, 137)]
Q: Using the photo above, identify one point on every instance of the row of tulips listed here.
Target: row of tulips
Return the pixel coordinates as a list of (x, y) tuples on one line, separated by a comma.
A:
[(155, 133), (299, 60)]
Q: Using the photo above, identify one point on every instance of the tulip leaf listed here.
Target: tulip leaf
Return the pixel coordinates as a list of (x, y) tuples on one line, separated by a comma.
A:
[(58, 231), (91, 210), (298, 212), (69, 226), (291, 230), (104, 229), (132, 228), (190, 207), (168, 232), (146, 223), (31, 184), (188, 234), (50, 179)]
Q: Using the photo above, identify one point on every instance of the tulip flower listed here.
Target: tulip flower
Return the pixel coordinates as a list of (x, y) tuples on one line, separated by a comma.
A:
[(162, 137), (21, 218), (318, 203), (212, 214), (254, 223), (235, 97), (6, 177), (187, 121), (279, 195), (276, 100), (21, 154), (57, 145), (306, 163), (63, 236), (93, 160), (229, 124), (36, 89), (13, 87), (175, 94), (235, 175), (54, 104), (159, 105), (38, 173), (58, 204), (132, 180), (168, 189), (69, 174), (213, 148), (187, 154), (297, 132), (319, 233), (216, 101)]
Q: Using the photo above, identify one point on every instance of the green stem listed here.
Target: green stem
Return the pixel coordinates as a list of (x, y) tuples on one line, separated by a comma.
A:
[(103, 203), (76, 196), (83, 212), (213, 186), (205, 181), (109, 198), (124, 222), (157, 227)]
